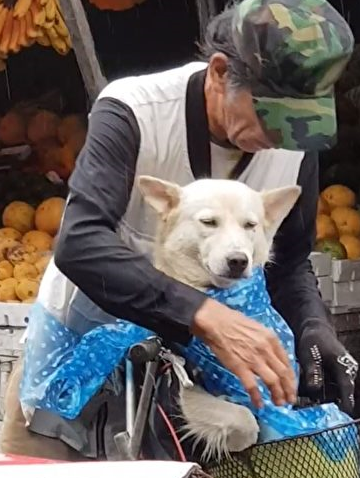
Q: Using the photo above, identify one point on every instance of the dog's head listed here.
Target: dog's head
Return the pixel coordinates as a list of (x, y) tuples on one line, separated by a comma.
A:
[(213, 232)]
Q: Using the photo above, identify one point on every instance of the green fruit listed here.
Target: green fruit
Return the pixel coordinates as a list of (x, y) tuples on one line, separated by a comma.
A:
[(332, 247)]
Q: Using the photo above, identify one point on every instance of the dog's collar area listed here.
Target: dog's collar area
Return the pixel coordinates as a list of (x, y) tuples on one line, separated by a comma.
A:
[(231, 282)]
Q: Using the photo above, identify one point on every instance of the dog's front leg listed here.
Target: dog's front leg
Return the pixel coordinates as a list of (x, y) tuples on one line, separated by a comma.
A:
[(222, 426)]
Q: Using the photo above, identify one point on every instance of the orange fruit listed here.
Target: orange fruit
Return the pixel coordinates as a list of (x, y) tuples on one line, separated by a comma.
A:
[(325, 228), (48, 215), (10, 233), (26, 289), (6, 270), (19, 215), (338, 195), (352, 246), (7, 289), (347, 221), (39, 239), (322, 206)]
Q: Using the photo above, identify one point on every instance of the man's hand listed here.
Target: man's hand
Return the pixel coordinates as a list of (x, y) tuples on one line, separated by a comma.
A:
[(247, 349), (325, 362)]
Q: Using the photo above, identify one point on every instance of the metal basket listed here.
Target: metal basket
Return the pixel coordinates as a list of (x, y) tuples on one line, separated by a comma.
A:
[(334, 453)]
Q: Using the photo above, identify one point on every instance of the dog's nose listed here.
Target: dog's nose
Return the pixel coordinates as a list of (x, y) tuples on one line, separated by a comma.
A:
[(237, 263)]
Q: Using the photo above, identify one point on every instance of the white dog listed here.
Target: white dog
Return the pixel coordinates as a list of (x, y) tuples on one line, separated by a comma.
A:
[(212, 233)]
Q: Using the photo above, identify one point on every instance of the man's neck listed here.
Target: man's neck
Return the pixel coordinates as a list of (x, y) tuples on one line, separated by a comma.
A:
[(222, 143), (218, 135), (217, 132)]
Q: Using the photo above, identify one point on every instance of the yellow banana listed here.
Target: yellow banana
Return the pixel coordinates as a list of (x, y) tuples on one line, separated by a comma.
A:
[(14, 45), (52, 34), (6, 33), (60, 25), (67, 40), (38, 14), (50, 10), (44, 40), (21, 8), (3, 13), (60, 46), (32, 31), (57, 42), (23, 38), (47, 23)]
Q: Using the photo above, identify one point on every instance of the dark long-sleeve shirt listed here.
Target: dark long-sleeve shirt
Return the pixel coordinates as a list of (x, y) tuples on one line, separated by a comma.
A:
[(122, 281), (290, 278)]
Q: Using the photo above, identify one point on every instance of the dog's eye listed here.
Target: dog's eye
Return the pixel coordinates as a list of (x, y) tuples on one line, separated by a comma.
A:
[(209, 222), (250, 225)]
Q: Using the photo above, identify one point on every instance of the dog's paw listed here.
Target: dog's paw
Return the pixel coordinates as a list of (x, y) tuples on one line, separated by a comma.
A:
[(246, 434), (222, 427)]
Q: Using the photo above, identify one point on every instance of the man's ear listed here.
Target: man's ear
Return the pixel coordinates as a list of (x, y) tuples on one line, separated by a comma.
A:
[(163, 196), (278, 204), (218, 71)]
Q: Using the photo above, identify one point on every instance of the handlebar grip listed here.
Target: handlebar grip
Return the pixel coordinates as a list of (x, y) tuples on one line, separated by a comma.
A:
[(145, 351)]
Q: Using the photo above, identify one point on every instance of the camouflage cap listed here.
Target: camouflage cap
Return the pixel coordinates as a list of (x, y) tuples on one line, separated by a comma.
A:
[(293, 51)]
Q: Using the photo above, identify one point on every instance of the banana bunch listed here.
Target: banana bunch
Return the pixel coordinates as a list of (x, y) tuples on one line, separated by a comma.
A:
[(25, 22)]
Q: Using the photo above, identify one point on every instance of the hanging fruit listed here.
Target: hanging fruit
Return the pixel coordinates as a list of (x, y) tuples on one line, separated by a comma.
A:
[(26, 22), (115, 5)]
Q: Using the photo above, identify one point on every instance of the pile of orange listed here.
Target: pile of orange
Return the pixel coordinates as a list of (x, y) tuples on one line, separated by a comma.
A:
[(26, 246), (338, 221)]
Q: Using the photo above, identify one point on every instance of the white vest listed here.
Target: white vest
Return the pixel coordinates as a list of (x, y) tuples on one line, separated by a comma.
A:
[(159, 103)]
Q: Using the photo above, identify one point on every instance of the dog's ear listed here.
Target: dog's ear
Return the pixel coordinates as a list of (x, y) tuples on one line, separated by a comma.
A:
[(277, 204), (163, 196)]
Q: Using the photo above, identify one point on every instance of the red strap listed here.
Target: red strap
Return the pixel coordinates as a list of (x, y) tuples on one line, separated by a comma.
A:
[(24, 460)]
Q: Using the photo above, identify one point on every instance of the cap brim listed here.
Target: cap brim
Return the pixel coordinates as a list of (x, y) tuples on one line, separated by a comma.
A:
[(299, 124)]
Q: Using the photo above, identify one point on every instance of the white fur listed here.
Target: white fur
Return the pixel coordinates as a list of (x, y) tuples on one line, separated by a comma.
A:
[(222, 426), (200, 227)]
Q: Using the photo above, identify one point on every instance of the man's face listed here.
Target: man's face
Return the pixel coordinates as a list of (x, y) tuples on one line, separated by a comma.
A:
[(241, 123), (231, 112)]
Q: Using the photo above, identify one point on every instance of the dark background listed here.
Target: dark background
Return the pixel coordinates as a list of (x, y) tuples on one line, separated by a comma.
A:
[(156, 35)]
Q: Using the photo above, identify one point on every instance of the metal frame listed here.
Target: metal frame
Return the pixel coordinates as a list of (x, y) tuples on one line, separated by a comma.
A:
[(83, 45)]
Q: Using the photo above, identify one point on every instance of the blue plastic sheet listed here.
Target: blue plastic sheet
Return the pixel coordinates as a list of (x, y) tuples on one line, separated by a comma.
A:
[(64, 370), (250, 297)]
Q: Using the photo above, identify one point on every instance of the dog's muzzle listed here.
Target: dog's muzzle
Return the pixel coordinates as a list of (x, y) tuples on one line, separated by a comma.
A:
[(236, 264)]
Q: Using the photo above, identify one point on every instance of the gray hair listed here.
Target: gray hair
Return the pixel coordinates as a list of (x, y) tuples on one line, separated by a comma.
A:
[(219, 39)]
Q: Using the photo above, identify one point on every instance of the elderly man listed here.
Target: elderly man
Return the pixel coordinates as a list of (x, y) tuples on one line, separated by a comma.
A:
[(256, 110)]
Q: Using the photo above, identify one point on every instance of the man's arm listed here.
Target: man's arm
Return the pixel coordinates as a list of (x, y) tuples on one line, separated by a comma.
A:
[(291, 281), (89, 252)]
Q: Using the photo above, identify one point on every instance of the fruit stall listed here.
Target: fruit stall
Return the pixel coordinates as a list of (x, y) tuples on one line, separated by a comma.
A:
[(43, 123)]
